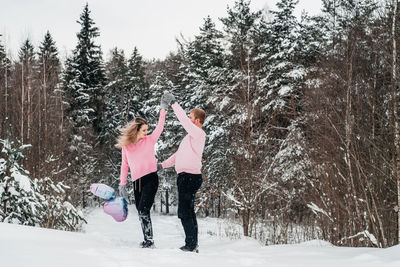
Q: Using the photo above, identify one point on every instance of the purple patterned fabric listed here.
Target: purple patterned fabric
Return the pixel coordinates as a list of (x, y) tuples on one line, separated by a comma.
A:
[(117, 208)]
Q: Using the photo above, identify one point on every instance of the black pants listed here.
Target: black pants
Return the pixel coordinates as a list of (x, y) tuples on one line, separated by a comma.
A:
[(188, 184), (145, 189)]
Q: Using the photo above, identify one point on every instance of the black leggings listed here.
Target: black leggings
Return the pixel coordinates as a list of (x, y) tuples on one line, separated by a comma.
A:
[(145, 189), (188, 184)]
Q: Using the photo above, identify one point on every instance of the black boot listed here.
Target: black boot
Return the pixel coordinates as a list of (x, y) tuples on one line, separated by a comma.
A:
[(147, 229), (191, 232), (147, 244), (189, 249)]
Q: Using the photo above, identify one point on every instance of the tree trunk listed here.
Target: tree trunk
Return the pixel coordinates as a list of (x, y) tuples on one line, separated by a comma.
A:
[(219, 206), (29, 89), (166, 201), (45, 132), (348, 131), (161, 203), (6, 92), (39, 132), (245, 219), (395, 115), (122, 104), (22, 103), (83, 198), (129, 105)]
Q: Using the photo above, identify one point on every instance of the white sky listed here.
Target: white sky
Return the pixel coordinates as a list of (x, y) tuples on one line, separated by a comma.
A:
[(150, 25)]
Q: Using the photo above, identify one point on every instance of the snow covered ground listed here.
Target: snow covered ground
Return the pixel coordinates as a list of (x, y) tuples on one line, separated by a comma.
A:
[(108, 243)]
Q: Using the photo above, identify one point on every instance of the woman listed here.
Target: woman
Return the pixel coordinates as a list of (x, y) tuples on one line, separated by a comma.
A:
[(138, 156)]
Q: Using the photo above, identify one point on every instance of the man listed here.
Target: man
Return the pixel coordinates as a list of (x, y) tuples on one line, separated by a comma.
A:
[(187, 162)]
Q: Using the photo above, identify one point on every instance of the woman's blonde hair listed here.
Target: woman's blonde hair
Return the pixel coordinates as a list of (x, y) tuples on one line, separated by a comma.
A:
[(129, 132)]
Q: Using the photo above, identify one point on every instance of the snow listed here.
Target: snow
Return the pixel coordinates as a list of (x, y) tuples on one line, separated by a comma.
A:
[(2, 165), (285, 90), (23, 180), (105, 242), (225, 101), (314, 208), (366, 234), (297, 73)]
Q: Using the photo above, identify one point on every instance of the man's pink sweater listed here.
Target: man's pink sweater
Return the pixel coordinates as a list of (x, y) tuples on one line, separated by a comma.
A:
[(139, 157), (188, 156)]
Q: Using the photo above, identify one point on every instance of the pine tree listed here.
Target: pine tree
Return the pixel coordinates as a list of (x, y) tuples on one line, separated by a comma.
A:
[(126, 89), (84, 78), (26, 53), (48, 116), (26, 84), (205, 52), (341, 15), (282, 82), (151, 113), (138, 86), (289, 48), (204, 58), (171, 136), (117, 94), (241, 106), (238, 26), (2, 51), (83, 86), (117, 89), (204, 64), (116, 98), (27, 62), (48, 52), (58, 212), (21, 203)]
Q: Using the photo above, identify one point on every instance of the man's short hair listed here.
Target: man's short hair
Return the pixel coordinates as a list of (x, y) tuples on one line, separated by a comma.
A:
[(199, 114)]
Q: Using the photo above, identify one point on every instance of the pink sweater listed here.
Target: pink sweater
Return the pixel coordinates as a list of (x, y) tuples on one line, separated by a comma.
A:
[(188, 156), (140, 157)]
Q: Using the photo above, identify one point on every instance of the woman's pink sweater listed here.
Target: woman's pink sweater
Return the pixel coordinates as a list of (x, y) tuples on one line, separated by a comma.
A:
[(139, 157), (189, 154)]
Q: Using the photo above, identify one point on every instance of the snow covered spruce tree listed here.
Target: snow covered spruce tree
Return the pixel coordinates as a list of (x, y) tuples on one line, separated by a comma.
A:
[(168, 141), (115, 113), (260, 98), (126, 91), (20, 202), (137, 85), (49, 138), (34, 112), (25, 81), (58, 212), (286, 57), (202, 68), (83, 86), (243, 119), (34, 202)]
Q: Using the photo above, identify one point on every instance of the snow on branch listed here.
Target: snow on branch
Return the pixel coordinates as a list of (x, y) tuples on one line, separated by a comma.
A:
[(314, 208), (364, 233)]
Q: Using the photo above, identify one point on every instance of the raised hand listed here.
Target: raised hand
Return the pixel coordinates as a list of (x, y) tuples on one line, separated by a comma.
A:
[(167, 99)]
